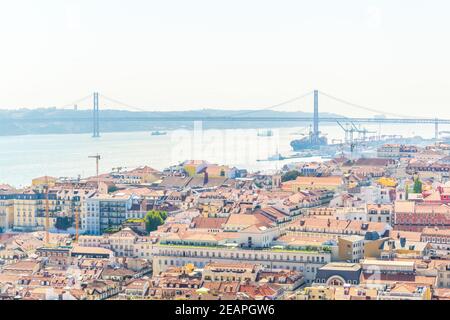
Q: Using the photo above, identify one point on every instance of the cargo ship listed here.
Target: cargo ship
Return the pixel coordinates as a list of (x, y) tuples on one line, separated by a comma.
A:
[(158, 133), (308, 142)]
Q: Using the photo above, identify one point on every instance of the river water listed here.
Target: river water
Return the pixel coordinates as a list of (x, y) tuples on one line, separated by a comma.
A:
[(25, 157)]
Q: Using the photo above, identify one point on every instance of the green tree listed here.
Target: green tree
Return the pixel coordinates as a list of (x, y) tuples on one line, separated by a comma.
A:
[(112, 189), (290, 175), (63, 223), (153, 219), (163, 214), (417, 188)]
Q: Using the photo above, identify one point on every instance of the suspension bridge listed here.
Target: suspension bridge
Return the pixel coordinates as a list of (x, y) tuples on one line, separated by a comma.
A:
[(97, 118)]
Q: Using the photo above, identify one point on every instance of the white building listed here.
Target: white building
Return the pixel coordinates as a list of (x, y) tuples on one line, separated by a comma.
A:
[(104, 211), (308, 262), (351, 213), (375, 194)]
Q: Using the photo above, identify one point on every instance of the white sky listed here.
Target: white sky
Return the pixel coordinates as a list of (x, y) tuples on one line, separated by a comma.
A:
[(179, 55)]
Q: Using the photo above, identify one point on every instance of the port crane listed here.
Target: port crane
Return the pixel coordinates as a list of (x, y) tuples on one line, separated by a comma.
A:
[(350, 129), (362, 132)]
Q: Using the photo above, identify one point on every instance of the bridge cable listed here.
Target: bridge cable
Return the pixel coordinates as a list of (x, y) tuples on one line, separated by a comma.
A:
[(365, 108), (274, 106), (75, 102), (120, 103)]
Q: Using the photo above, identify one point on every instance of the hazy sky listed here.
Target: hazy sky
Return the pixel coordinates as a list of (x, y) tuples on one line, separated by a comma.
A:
[(179, 54)]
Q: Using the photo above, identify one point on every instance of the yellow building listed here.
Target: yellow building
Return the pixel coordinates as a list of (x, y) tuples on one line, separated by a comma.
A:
[(351, 248), (404, 248), (192, 167), (216, 171), (355, 293), (42, 181), (319, 293), (29, 210), (6, 211), (373, 249), (406, 291), (387, 182)]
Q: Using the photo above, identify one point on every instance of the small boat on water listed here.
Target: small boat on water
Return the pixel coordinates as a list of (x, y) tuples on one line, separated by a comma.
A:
[(265, 133), (276, 157), (158, 133)]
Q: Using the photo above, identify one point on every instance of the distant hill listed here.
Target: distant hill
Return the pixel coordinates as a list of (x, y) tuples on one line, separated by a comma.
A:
[(52, 120)]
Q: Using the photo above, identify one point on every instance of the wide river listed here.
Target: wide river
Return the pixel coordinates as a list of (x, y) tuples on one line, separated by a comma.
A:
[(25, 157)]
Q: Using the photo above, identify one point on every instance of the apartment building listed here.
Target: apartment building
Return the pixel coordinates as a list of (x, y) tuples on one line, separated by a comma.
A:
[(333, 183), (380, 213), (396, 151), (105, 212), (199, 253), (415, 216), (443, 276), (351, 248), (6, 211), (438, 238), (124, 243), (30, 210)]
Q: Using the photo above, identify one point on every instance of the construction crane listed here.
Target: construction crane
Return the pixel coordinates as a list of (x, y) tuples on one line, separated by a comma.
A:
[(97, 158)]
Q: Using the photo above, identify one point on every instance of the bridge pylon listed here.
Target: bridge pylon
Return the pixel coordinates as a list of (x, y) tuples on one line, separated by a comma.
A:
[(436, 130), (96, 118), (316, 118)]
